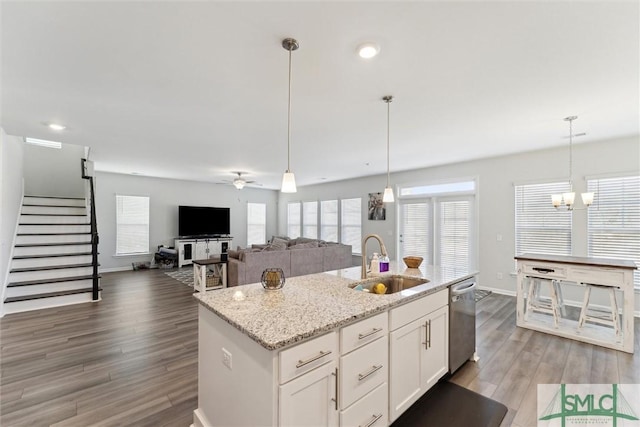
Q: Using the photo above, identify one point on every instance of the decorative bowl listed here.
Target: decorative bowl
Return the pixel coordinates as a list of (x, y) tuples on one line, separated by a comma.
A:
[(273, 279), (412, 261)]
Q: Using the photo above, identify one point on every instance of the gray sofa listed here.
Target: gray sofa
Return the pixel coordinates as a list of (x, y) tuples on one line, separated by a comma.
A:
[(296, 259)]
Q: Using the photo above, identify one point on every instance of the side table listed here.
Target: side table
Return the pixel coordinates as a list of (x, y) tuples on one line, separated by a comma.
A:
[(200, 269)]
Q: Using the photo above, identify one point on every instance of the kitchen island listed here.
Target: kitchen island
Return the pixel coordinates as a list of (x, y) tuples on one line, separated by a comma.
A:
[(280, 357)]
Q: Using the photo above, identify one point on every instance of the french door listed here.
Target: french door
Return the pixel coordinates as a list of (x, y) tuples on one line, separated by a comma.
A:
[(439, 229)]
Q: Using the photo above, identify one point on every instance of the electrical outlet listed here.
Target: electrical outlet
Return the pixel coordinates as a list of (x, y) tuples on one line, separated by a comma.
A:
[(226, 358), (499, 276)]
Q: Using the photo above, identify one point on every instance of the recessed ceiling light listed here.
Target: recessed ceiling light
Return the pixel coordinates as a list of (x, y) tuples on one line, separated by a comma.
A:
[(368, 50), (56, 126)]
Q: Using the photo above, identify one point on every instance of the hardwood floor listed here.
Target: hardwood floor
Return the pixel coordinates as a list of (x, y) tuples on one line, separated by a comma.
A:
[(132, 359)]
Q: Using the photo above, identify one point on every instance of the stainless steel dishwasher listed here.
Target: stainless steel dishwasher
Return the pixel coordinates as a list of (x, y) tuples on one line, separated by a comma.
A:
[(462, 323)]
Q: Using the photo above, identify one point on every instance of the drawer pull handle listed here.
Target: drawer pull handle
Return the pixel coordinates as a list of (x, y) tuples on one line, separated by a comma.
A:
[(543, 270), (368, 334), (373, 420), (320, 355), (373, 369)]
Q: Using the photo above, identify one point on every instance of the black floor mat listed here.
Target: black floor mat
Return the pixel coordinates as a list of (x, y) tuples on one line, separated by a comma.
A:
[(449, 405)]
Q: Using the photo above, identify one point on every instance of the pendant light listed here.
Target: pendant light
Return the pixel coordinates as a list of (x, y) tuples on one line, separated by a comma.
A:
[(388, 191), (568, 199), (288, 179)]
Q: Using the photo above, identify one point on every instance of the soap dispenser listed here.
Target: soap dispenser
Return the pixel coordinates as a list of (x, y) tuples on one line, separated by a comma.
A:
[(384, 264), (375, 264)]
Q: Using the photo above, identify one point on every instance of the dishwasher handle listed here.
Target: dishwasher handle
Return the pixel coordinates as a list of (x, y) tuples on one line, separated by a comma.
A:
[(463, 288)]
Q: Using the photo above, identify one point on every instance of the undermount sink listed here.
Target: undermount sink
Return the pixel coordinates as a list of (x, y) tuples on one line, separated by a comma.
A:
[(393, 283)]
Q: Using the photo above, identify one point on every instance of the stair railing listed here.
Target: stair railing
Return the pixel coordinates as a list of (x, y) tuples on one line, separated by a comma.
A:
[(94, 231)]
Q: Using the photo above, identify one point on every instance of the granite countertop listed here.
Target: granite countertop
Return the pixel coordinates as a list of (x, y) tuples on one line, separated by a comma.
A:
[(316, 303)]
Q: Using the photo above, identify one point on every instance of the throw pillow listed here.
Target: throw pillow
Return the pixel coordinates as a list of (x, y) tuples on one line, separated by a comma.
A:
[(234, 254), (277, 245), (307, 245)]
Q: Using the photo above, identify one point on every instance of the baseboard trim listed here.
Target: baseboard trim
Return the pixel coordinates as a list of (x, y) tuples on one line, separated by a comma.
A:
[(115, 269)]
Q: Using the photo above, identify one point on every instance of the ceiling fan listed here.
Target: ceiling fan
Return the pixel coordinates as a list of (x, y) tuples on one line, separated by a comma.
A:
[(240, 182)]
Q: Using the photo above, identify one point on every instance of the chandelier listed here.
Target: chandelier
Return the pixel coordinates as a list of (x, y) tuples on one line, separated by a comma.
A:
[(568, 199)]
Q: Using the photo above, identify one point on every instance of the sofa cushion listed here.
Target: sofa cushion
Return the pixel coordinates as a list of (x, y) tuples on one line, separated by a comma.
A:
[(234, 254), (278, 244), (307, 245)]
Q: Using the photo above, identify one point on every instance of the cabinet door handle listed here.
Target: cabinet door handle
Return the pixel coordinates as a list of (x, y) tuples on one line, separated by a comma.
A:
[(429, 333), (372, 421), (426, 336), (335, 373), (373, 369), (320, 355), (368, 334)]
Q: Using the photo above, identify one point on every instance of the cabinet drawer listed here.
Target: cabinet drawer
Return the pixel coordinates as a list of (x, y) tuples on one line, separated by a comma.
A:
[(552, 271), (597, 276), (364, 332), (370, 411), (304, 357), (363, 370), (406, 313)]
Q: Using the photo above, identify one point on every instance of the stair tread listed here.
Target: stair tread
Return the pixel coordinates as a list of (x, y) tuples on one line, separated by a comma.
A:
[(53, 206), (55, 223), (53, 214), (55, 197), (45, 281), (49, 295), (51, 255), (51, 234), (49, 267), (33, 245)]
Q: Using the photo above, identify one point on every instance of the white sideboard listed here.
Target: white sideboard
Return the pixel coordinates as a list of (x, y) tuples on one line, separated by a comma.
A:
[(200, 248), (617, 274)]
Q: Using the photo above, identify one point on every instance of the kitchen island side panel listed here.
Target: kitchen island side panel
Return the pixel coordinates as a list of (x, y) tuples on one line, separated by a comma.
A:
[(250, 378)]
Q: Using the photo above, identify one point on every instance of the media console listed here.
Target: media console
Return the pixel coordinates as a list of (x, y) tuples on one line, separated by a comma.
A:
[(200, 248)]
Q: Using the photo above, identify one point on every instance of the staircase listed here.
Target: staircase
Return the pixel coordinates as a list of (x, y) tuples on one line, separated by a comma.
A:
[(52, 261)]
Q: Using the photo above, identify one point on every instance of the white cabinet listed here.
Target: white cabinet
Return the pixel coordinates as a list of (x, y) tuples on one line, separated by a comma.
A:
[(308, 391), (418, 350), (190, 249), (310, 400)]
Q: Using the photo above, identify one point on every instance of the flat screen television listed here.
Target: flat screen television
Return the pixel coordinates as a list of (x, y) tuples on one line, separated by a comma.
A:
[(196, 221)]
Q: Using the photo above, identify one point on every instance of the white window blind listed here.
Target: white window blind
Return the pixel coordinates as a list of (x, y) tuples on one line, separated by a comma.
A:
[(454, 233), (351, 223), (132, 224), (256, 223), (415, 231), (310, 220), (540, 228), (329, 220), (293, 220), (614, 219)]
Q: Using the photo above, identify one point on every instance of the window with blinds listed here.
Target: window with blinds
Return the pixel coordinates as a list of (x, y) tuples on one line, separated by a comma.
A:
[(540, 228), (256, 223), (329, 220), (310, 220), (293, 220), (351, 223), (614, 219), (132, 225), (415, 230), (454, 233)]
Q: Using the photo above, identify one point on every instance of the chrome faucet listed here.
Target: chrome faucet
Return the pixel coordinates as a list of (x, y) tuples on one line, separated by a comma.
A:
[(383, 251)]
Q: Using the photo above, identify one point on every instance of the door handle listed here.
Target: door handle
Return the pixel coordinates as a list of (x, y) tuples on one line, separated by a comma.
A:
[(368, 334), (320, 355), (335, 373), (373, 420), (373, 369)]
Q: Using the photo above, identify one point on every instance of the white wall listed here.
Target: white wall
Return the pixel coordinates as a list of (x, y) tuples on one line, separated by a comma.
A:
[(495, 196), (165, 197), (41, 164), (11, 164)]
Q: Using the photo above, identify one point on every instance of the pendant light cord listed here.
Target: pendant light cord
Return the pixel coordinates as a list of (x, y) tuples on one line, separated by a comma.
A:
[(571, 154), (289, 119), (388, 124)]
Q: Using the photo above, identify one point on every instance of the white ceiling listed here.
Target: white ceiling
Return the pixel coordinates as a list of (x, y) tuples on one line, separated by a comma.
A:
[(195, 90)]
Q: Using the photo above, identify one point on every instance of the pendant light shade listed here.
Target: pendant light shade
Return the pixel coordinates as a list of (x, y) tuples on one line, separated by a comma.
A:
[(288, 179), (387, 197)]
